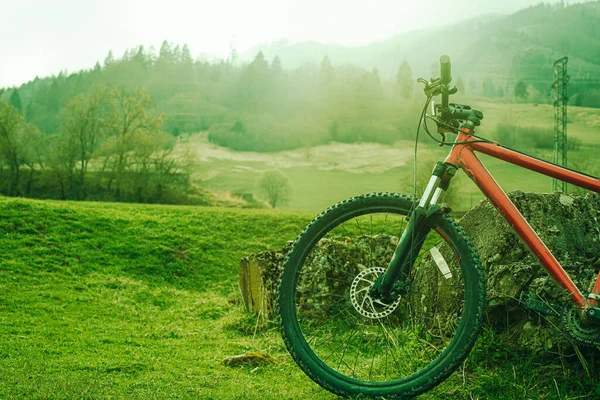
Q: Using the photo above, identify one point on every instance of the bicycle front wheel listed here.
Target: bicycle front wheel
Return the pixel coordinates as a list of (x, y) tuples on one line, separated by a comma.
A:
[(352, 344)]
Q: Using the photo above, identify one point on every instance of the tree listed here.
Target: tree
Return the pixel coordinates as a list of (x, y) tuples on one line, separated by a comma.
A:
[(16, 144), (460, 85), (151, 163), (55, 95), (326, 72), (140, 58), (83, 129), (128, 114), (404, 80), (165, 54), (15, 101), (276, 68), (521, 90), (369, 93), (33, 152), (186, 55), (275, 187), (488, 88), (254, 82), (110, 59)]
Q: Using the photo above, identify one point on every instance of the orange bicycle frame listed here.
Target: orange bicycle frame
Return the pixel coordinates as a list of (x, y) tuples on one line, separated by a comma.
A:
[(462, 156)]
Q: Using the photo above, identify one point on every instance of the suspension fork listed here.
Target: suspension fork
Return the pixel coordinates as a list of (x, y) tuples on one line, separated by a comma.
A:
[(394, 281)]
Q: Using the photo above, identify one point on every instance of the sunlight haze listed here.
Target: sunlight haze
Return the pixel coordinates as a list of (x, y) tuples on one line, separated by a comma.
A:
[(44, 37)]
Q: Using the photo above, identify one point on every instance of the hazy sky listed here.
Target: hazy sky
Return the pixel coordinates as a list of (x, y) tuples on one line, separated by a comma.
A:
[(42, 37)]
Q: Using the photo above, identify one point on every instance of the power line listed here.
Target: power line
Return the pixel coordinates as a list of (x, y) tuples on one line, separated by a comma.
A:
[(559, 91)]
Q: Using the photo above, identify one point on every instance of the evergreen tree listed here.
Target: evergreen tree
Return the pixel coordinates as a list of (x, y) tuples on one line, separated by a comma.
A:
[(151, 55), (375, 90), (460, 85), (488, 88), (521, 90), (15, 101), (326, 72), (254, 82), (110, 59), (177, 54), (52, 101), (276, 68), (165, 53), (186, 56), (140, 57), (29, 114), (404, 80)]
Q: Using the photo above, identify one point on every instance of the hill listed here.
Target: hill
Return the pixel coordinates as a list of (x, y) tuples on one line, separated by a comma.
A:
[(503, 48), (103, 300), (305, 94)]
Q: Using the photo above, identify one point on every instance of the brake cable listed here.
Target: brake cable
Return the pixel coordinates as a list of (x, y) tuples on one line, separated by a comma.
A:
[(421, 120), (454, 130)]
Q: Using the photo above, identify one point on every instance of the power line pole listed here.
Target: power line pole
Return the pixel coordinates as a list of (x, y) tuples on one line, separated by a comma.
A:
[(559, 91)]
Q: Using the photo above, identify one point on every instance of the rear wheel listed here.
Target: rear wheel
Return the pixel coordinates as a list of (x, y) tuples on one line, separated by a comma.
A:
[(351, 343)]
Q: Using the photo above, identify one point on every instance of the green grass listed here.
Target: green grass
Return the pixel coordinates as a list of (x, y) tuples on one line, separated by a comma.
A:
[(102, 300), (314, 189)]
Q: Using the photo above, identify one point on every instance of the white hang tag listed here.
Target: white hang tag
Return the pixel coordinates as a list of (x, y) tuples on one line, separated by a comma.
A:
[(440, 262)]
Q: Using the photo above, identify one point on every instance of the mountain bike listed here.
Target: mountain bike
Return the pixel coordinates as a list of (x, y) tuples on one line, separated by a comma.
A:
[(383, 295)]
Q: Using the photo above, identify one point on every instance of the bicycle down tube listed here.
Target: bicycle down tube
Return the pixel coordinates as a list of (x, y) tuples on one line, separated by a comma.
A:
[(463, 156)]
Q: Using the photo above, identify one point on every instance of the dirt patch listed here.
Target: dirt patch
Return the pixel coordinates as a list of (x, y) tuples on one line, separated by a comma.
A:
[(355, 158)]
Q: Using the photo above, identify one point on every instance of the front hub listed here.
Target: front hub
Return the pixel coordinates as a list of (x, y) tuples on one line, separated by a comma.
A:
[(362, 300)]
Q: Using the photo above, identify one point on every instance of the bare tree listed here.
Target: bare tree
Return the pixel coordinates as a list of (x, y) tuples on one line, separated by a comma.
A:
[(274, 187), (129, 115), (19, 146), (83, 130)]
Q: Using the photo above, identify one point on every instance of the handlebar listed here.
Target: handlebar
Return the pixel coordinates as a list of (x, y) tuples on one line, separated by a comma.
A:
[(445, 79), (449, 114), (445, 70)]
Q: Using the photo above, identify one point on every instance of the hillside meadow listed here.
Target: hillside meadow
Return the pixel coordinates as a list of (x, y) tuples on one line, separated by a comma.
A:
[(104, 300), (323, 175)]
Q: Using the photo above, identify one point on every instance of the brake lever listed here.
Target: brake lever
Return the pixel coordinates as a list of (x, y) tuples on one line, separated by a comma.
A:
[(433, 87)]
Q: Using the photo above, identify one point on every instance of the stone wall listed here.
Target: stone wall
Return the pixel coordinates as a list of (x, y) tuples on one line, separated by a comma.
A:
[(568, 224)]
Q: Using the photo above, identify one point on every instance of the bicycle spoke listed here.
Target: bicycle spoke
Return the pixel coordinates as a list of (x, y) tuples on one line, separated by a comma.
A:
[(359, 228), (347, 342), (357, 354), (352, 333)]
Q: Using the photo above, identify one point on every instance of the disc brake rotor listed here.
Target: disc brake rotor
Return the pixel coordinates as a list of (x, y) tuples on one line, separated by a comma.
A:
[(362, 300), (587, 334)]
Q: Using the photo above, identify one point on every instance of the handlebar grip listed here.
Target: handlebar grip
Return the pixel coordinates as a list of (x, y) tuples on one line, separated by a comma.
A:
[(445, 76)]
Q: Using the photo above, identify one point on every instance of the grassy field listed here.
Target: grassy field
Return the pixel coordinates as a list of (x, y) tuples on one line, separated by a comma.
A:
[(324, 175), (102, 300)]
